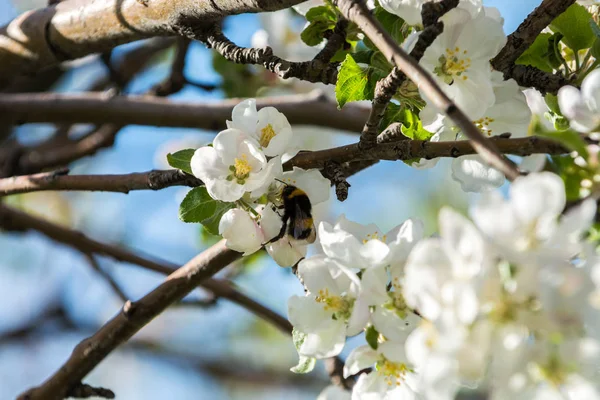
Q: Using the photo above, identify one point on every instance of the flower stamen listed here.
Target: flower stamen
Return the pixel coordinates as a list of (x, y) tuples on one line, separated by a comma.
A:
[(266, 134)]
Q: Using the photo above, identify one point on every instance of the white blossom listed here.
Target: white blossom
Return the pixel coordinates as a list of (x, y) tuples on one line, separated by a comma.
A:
[(364, 246), (233, 166), (410, 10), (392, 378), (241, 231), (268, 127), (526, 227), (582, 107), (459, 59), (329, 311)]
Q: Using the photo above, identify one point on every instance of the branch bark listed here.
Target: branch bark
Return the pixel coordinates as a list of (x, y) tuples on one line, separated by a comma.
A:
[(357, 11), (352, 153), (75, 28), (305, 109), (521, 39)]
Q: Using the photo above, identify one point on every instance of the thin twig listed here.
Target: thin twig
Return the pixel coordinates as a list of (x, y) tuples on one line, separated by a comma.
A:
[(106, 276), (357, 11), (176, 79)]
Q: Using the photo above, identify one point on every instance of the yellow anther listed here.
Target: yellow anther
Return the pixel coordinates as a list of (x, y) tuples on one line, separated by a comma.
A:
[(242, 167), (266, 134)]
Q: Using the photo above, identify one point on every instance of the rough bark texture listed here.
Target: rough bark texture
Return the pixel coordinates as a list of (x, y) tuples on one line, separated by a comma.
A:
[(75, 28)]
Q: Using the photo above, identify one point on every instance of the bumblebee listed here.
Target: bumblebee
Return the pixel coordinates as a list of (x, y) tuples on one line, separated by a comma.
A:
[(297, 218)]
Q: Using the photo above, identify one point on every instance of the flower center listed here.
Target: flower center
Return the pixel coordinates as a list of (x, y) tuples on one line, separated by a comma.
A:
[(397, 302), (483, 125), (393, 373), (553, 371), (340, 306), (240, 170), (453, 64), (374, 235), (266, 134)]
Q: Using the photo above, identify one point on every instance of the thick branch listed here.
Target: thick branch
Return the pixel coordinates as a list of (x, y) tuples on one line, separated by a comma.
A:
[(305, 109), (357, 11), (133, 317), (75, 28)]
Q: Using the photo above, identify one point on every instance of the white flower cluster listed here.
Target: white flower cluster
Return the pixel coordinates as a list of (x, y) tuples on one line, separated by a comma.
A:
[(505, 301), (243, 166)]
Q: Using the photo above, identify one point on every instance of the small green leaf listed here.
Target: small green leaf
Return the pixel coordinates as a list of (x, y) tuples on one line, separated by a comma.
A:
[(199, 207), (181, 160), (355, 83), (305, 365), (411, 123), (552, 102), (595, 28), (321, 19), (212, 223), (537, 54), (371, 336), (574, 24)]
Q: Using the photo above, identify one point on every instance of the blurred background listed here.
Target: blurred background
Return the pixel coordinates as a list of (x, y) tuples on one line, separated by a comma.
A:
[(50, 297)]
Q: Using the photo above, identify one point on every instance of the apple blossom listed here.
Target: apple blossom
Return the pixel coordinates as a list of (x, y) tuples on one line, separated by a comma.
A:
[(364, 246), (393, 377), (241, 231), (459, 59), (268, 127), (233, 166), (582, 107), (328, 312)]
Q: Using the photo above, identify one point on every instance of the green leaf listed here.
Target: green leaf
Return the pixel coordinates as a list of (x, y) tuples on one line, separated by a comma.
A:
[(411, 123), (537, 54), (574, 24), (198, 206), (212, 223), (321, 19), (595, 28), (392, 23), (371, 336), (181, 160), (553, 55), (355, 83)]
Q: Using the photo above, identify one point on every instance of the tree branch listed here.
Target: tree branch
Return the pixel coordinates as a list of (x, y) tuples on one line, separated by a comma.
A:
[(73, 29), (357, 11), (306, 109), (334, 158), (133, 317), (12, 219), (311, 71), (387, 87), (521, 39), (58, 180)]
